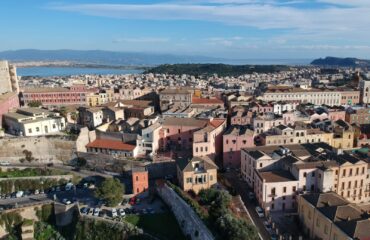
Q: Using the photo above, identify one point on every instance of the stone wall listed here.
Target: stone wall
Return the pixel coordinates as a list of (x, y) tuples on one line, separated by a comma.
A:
[(45, 149), (188, 220)]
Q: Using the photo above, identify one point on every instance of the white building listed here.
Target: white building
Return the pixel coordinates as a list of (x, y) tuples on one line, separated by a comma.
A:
[(33, 122)]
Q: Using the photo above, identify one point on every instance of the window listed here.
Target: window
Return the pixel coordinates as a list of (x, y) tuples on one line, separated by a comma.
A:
[(304, 174), (344, 173), (188, 180), (37, 129), (261, 165), (273, 190), (210, 177), (179, 131), (294, 188), (30, 130), (326, 229), (137, 178), (284, 189), (313, 174)]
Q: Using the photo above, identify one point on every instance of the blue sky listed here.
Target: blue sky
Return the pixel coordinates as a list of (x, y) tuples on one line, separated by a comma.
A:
[(239, 29)]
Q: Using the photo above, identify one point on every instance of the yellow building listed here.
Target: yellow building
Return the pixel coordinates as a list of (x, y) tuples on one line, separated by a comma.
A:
[(329, 216), (196, 174), (342, 136), (97, 99)]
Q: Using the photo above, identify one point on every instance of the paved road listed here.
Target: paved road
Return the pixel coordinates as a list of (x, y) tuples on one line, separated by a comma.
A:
[(83, 195), (241, 188)]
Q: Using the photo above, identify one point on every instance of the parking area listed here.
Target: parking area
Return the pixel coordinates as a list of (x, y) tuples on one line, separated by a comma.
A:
[(129, 206)]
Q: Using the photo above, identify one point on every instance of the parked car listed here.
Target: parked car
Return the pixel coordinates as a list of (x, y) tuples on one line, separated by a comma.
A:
[(251, 196), (91, 211), (96, 211), (84, 210), (19, 194), (260, 212), (69, 186), (66, 201), (133, 201), (274, 236), (4, 163), (114, 212), (121, 212), (36, 192), (268, 226)]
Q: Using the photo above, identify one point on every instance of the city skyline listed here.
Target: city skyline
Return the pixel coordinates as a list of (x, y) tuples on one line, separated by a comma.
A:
[(234, 29)]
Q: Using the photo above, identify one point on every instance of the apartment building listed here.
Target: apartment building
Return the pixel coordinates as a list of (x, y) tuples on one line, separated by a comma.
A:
[(90, 117), (330, 97), (300, 133), (100, 98), (177, 97), (241, 116), (33, 122), (208, 140), (329, 216), (234, 139), (278, 174), (75, 95), (196, 173), (358, 116), (177, 133), (265, 122)]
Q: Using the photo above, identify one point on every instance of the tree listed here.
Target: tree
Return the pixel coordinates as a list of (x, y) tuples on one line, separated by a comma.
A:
[(35, 104), (111, 190), (81, 162), (207, 195)]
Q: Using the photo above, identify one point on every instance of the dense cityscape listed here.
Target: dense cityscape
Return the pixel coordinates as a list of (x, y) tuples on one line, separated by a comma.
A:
[(185, 120), (274, 155)]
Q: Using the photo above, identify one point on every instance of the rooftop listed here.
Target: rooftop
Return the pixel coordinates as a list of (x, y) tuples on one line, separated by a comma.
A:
[(276, 176)]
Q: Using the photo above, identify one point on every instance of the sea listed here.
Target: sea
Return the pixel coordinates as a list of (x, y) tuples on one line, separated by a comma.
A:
[(67, 71)]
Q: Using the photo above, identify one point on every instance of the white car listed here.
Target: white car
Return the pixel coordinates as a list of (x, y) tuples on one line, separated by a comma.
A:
[(121, 212), (96, 211), (114, 212), (268, 226), (66, 201), (4, 163), (260, 212)]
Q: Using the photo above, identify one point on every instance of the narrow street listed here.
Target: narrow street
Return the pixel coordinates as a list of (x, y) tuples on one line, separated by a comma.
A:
[(242, 189)]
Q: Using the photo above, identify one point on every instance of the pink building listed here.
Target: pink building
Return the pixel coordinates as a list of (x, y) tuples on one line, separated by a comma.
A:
[(75, 95), (335, 115), (177, 133), (241, 116), (234, 139), (8, 101), (208, 140)]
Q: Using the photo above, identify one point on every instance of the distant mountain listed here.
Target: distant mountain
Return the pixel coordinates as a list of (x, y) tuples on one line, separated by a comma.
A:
[(103, 57), (219, 69), (341, 62), (113, 58)]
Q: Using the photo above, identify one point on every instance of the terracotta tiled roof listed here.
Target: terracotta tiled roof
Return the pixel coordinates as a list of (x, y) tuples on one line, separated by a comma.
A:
[(217, 122), (111, 144), (196, 100)]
